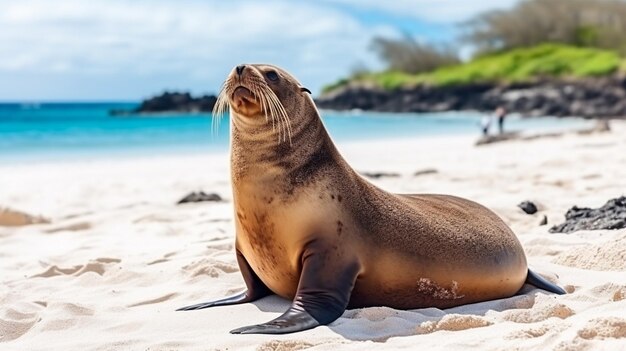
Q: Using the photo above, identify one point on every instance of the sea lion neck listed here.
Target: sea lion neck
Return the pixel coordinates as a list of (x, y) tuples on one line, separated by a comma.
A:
[(264, 155)]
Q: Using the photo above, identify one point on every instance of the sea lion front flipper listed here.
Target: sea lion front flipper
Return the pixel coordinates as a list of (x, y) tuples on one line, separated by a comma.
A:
[(255, 289), (324, 290)]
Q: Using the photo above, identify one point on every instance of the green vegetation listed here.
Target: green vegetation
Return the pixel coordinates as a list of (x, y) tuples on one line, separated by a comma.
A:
[(518, 65), (547, 60)]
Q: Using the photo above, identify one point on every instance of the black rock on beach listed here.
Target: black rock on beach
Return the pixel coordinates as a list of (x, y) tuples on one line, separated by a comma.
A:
[(200, 196), (610, 216), (528, 207)]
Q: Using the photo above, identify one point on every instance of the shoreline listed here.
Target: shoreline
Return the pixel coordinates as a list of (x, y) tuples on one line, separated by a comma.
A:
[(462, 124)]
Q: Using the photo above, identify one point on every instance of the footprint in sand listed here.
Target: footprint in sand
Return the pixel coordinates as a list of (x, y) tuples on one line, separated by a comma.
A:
[(98, 266), (453, 322), (14, 323), (227, 246), (603, 328), (74, 227), (11, 330), (609, 291), (285, 345), (165, 258), (210, 267), (65, 316), (544, 308), (373, 314), (536, 332), (74, 309)]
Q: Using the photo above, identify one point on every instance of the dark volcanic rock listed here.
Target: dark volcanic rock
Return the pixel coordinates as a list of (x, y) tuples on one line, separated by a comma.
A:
[(610, 216), (528, 207), (590, 97), (172, 102), (377, 175), (425, 172), (199, 197)]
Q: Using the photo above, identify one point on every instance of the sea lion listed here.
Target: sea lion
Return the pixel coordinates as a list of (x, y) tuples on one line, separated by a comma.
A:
[(310, 229)]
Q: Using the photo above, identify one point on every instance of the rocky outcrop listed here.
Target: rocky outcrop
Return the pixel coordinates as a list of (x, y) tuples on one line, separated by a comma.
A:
[(610, 216), (589, 97), (172, 102)]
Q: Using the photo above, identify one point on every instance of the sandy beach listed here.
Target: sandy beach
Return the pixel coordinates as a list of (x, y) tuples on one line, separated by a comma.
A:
[(118, 256)]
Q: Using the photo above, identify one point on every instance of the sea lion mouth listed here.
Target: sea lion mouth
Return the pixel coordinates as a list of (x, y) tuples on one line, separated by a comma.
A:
[(243, 98)]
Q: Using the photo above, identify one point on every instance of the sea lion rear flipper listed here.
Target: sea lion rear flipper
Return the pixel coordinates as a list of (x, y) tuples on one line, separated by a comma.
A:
[(255, 289), (535, 279), (323, 294)]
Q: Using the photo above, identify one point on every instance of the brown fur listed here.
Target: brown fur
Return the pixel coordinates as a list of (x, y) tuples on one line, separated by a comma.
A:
[(412, 250)]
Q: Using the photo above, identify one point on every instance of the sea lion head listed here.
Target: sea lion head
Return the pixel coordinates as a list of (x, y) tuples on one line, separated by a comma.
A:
[(264, 99)]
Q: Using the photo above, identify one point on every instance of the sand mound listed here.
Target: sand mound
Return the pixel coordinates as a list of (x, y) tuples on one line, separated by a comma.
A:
[(602, 328), (544, 308), (211, 267), (609, 256), (374, 314), (12, 218), (453, 322), (285, 345), (98, 266)]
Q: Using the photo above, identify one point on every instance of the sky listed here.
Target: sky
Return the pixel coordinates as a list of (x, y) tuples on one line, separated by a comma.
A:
[(126, 50)]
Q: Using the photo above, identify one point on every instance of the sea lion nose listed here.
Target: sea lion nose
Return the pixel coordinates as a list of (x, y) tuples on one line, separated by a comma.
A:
[(240, 69)]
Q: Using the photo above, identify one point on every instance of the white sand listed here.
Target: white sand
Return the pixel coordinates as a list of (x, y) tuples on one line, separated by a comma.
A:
[(119, 256)]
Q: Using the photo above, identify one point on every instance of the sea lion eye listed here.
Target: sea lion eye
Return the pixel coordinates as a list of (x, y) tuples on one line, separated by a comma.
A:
[(272, 75)]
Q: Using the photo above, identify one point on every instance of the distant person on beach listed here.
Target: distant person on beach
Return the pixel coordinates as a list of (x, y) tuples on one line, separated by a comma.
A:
[(485, 123), (500, 114)]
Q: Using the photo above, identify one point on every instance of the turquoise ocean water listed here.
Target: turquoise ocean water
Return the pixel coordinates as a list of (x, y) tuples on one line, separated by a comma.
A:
[(53, 131)]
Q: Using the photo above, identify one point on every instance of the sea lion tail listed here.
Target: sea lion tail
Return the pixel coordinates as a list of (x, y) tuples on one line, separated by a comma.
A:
[(535, 279)]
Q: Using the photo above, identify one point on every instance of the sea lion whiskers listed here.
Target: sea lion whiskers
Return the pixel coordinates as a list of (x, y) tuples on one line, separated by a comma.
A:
[(285, 118), (219, 109), (273, 107), (278, 108), (267, 107)]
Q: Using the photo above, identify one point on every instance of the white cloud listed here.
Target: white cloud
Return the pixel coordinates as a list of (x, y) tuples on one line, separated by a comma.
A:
[(129, 48), (443, 11), (200, 41)]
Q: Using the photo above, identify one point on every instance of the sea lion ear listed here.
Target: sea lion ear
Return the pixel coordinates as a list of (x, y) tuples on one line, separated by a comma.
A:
[(305, 89)]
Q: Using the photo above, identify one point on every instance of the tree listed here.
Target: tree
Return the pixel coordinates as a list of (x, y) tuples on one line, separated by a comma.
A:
[(408, 55), (593, 23)]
